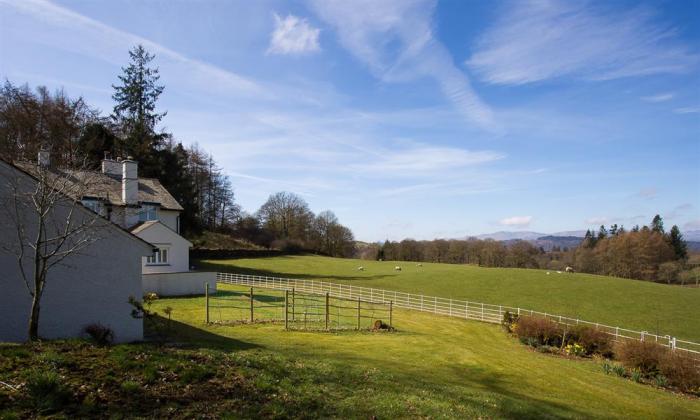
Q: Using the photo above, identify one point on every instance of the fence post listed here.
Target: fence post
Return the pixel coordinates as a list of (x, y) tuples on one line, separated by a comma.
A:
[(358, 313), (327, 311), (391, 313), (251, 305), (294, 301), (206, 302), (482, 311), (286, 309)]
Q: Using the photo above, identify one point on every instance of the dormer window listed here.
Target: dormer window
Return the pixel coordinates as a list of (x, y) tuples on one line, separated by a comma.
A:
[(92, 204), (148, 212)]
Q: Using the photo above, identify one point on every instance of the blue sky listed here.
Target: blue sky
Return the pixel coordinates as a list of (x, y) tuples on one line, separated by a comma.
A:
[(408, 118)]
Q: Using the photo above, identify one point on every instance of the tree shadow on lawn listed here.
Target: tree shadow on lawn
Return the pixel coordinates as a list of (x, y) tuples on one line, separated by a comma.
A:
[(176, 332), (227, 268)]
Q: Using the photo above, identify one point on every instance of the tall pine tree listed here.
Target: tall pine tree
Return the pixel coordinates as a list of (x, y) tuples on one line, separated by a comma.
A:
[(135, 110)]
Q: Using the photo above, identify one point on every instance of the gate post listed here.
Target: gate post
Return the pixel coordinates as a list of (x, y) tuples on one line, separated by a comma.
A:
[(358, 313), (327, 312), (391, 312), (251, 305), (206, 302), (294, 301), (286, 309)]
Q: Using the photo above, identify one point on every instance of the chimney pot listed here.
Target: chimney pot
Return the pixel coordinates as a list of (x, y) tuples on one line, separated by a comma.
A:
[(44, 158)]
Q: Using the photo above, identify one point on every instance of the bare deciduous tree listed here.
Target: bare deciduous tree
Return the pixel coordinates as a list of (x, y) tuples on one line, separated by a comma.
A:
[(49, 222)]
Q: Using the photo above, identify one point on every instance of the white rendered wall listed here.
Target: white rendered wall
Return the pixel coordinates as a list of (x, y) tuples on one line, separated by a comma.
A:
[(179, 284), (89, 288)]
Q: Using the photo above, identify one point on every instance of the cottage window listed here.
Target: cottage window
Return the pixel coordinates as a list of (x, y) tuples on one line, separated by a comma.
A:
[(159, 257), (148, 212), (92, 204)]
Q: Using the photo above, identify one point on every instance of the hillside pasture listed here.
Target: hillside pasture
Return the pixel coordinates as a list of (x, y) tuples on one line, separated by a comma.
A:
[(632, 304)]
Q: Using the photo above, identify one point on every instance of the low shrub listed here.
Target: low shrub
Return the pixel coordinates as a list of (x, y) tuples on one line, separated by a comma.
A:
[(593, 340), (636, 375), (661, 380), (614, 369), (509, 321), (642, 355), (100, 334), (575, 349), (538, 331), (681, 371), (46, 390)]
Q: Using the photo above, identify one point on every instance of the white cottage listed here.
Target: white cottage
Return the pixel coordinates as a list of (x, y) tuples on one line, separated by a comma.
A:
[(90, 286), (145, 208)]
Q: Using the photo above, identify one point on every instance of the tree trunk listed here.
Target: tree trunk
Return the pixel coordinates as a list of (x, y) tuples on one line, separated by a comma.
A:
[(34, 317)]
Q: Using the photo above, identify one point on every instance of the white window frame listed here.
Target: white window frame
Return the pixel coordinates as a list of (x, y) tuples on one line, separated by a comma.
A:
[(161, 256), (148, 212)]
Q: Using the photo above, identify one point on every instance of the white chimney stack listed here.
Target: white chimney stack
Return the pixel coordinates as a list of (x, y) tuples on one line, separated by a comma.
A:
[(44, 158), (130, 181), (111, 167)]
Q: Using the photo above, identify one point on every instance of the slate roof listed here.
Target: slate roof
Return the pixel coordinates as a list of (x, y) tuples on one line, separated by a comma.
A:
[(109, 188)]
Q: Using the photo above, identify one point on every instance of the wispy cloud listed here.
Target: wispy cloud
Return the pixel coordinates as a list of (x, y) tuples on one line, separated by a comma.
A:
[(90, 37), (648, 192), (540, 40), (517, 221), (424, 158), (293, 35), (394, 38), (687, 110), (661, 97)]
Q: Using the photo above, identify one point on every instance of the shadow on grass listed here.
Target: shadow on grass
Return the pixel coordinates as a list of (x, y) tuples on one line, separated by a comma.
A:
[(228, 268), (475, 387), (176, 332)]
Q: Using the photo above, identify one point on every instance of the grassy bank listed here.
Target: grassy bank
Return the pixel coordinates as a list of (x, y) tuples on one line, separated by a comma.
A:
[(430, 367)]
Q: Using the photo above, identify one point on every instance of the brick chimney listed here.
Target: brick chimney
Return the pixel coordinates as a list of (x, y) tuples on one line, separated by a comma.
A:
[(130, 181)]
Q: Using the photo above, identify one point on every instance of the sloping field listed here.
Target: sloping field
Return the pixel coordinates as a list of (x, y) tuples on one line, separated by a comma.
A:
[(432, 366), (613, 301)]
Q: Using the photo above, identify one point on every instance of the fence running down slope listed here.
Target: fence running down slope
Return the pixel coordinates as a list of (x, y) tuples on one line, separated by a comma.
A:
[(442, 306)]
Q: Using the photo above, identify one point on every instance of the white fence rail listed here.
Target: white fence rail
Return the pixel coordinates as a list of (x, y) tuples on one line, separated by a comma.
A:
[(442, 306)]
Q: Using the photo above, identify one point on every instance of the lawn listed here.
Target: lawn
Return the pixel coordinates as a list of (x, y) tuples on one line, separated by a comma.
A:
[(436, 367), (430, 366), (613, 301)]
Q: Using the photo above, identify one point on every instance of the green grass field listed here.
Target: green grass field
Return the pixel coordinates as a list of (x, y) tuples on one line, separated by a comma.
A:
[(432, 366), (613, 301)]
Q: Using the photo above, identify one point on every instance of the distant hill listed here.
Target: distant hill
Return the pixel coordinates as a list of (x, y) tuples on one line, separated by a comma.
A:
[(566, 239), (691, 235), (507, 236)]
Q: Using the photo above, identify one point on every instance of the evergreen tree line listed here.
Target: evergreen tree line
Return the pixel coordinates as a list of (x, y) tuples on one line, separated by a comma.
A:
[(643, 253), (78, 136)]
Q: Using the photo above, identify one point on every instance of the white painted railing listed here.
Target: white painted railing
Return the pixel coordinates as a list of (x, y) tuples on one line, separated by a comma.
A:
[(442, 306)]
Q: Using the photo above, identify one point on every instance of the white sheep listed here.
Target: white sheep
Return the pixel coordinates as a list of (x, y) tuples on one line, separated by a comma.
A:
[(360, 268), (569, 269), (397, 268), (419, 265)]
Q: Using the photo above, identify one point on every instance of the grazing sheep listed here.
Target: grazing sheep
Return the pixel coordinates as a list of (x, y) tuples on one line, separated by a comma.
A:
[(360, 268), (397, 268), (419, 265), (569, 269), (558, 272), (547, 272)]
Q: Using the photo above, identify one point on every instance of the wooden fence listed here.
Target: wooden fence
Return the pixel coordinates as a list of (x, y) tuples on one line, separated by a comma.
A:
[(444, 306), (298, 310)]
